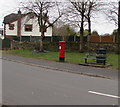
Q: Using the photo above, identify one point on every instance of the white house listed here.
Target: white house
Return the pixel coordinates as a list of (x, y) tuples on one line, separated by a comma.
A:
[(23, 25)]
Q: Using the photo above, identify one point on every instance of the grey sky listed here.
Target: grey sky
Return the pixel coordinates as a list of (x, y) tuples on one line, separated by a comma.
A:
[(100, 24)]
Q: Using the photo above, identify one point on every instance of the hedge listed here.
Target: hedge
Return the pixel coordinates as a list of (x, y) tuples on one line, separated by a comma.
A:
[(70, 46)]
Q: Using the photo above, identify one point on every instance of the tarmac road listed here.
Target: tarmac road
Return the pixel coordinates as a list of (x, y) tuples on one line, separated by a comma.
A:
[(30, 85)]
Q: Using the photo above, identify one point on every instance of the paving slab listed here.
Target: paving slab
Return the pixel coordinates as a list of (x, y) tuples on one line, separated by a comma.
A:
[(73, 68)]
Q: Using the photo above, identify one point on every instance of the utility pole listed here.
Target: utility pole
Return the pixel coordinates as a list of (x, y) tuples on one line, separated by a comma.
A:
[(118, 37), (118, 34)]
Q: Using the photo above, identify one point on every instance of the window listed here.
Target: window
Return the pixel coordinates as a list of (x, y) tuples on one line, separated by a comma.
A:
[(28, 28), (11, 26)]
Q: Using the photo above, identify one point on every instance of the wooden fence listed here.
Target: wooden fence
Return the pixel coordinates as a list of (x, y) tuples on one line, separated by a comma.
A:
[(102, 39)]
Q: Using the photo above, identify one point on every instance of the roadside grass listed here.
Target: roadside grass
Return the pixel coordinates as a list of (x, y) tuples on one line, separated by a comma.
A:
[(112, 59), (33, 54), (70, 57)]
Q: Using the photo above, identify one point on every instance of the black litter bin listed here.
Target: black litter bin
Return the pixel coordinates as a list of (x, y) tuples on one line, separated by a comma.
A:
[(101, 56), (101, 51), (101, 59)]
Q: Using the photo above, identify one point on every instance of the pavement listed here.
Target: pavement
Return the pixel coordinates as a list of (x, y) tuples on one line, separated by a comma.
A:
[(65, 67)]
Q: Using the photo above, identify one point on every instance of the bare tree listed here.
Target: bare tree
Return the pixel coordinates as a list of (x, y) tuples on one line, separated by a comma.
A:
[(93, 6), (113, 15), (81, 12), (111, 12), (64, 31), (41, 9), (76, 15)]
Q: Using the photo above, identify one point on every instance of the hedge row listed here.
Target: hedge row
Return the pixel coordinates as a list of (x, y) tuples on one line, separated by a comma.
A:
[(70, 46)]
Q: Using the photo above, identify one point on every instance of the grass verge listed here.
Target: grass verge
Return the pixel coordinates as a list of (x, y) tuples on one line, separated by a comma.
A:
[(70, 57)]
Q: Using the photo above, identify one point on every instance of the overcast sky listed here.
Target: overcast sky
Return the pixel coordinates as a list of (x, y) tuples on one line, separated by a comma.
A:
[(101, 24)]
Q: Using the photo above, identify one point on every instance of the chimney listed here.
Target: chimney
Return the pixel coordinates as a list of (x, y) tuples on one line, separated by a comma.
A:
[(19, 23), (19, 12)]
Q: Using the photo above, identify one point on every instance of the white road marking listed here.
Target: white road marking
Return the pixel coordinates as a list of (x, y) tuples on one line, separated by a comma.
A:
[(107, 95)]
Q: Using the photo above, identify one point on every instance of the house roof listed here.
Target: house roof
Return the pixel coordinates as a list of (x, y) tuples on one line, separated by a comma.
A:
[(11, 18), (14, 17)]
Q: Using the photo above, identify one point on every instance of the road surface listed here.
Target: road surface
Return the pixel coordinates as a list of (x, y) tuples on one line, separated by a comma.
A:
[(29, 85)]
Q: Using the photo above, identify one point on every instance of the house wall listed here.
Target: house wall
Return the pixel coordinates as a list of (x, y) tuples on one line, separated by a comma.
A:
[(49, 32), (26, 20), (11, 32)]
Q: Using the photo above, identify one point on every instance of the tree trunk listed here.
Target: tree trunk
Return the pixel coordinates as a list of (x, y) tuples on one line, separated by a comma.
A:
[(41, 49), (81, 48), (81, 44), (89, 33), (20, 38), (41, 46)]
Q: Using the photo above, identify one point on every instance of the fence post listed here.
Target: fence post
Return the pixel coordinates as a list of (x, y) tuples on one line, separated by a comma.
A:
[(51, 38), (74, 38), (11, 44), (100, 39)]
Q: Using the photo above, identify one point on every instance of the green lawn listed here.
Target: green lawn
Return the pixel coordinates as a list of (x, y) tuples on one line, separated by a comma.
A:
[(70, 57)]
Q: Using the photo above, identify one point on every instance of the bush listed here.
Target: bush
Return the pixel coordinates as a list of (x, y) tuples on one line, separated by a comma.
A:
[(70, 46)]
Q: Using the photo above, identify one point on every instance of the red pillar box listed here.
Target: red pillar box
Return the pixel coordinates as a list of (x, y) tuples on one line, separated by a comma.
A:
[(62, 51)]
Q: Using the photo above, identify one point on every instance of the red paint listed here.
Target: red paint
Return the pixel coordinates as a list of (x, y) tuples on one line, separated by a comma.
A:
[(61, 48)]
